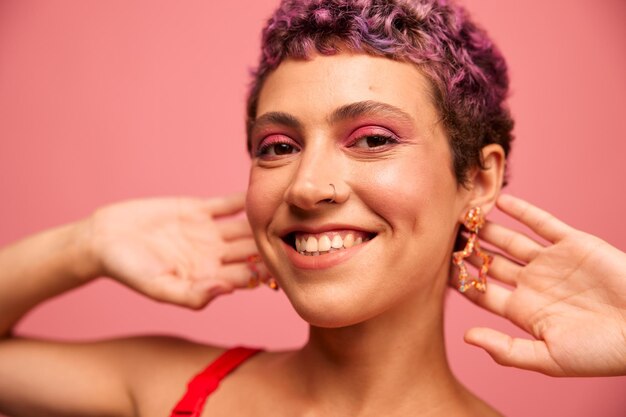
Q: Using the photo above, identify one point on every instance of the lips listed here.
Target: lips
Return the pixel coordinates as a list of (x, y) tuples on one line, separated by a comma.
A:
[(315, 244)]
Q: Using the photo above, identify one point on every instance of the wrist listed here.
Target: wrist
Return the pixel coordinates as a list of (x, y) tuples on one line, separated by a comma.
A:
[(83, 261)]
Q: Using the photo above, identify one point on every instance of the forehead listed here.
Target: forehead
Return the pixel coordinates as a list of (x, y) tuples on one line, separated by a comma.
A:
[(314, 88)]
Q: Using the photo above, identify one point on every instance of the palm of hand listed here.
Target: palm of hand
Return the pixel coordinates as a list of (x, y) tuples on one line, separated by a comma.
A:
[(566, 297), (570, 296), (172, 249)]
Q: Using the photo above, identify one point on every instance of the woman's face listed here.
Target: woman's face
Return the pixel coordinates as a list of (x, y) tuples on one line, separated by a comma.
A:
[(368, 126)]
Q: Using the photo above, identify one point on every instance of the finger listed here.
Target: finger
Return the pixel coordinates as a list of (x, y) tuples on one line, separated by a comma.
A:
[(239, 250), (502, 268), (171, 288), (238, 275), (539, 221), (515, 244), (227, 205), (494, 299), (234, 229), (520, 353)]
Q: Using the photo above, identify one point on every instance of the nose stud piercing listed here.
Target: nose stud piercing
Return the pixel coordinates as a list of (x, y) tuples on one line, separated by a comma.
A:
[(332, 200), (474, 221), (255, 279)]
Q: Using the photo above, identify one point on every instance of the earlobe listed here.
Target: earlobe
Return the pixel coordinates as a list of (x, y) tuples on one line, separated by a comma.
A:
[(486, 182)]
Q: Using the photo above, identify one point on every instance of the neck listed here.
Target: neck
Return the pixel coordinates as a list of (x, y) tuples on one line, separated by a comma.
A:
[(395, 358)]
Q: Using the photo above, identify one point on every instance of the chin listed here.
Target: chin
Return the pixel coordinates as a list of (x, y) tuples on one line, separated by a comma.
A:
[(332, 307), (329, 319)]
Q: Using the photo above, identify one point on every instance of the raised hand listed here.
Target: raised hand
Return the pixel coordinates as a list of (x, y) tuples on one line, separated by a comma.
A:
[(183, 251), (569, 295)]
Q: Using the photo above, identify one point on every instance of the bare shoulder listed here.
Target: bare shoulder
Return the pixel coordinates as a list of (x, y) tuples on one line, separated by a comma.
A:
[(485, 410), (158, 368), (473, 406)]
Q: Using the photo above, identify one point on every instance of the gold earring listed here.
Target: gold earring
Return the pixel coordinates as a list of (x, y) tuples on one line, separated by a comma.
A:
[(255, 279), (474, 221)]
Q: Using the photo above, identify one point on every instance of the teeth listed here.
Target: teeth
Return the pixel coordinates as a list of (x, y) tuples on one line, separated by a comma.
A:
[(311, 246), (323, 245), (337, 242)]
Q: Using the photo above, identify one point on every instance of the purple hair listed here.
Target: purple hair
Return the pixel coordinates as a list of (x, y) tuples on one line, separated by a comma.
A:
[(467, 72)]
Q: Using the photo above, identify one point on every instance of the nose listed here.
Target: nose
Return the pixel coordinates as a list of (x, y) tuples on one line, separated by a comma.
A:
[(318, 180)]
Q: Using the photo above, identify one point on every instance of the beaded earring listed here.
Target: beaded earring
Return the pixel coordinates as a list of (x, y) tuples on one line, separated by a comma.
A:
[(474, 221), (255, 279)]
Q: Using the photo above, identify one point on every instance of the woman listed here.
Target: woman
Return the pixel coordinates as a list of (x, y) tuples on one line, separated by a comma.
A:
[(343, 144)]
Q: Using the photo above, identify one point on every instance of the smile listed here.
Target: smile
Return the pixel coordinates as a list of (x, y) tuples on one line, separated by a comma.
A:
[(316, 244)]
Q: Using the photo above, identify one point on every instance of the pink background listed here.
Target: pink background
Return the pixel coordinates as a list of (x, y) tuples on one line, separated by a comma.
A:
[(102, 101)]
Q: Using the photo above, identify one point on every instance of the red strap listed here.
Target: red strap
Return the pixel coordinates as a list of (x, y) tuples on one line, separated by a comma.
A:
[(207, 381)]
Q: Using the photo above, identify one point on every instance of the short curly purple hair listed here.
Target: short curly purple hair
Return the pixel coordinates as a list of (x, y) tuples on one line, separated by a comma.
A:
[(467, 72)]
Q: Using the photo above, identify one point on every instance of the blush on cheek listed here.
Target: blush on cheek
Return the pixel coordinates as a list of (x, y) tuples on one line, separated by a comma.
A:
[(263, 197), (409, 192), (393, 190)]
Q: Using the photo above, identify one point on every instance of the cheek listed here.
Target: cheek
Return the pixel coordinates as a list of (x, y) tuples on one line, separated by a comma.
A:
[(257, 207), (406, 192), (265, 192)]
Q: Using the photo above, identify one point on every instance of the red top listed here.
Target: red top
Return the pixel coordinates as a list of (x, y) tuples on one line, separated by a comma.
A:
[(207, 381)]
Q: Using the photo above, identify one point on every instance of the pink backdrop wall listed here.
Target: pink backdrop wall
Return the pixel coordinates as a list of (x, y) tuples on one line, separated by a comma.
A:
[(102, 101)]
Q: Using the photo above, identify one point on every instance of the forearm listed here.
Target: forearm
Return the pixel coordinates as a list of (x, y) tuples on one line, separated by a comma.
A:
[(42, 266)]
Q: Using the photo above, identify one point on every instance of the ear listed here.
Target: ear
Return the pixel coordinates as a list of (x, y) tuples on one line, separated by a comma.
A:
[(485, 184)]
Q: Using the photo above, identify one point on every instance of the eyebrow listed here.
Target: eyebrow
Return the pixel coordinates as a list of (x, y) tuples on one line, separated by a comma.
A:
[(345, 112), (275, 118), (369, 108)]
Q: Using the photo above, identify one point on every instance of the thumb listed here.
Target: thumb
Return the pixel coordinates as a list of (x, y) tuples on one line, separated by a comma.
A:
[(532, 355)]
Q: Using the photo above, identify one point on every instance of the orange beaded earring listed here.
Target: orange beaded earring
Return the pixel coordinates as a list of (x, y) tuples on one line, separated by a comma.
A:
[(255, 279), (474, 221)]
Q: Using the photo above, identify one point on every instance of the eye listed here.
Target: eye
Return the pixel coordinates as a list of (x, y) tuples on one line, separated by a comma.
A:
[(274, 146), (277, 149), (374, 141)]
